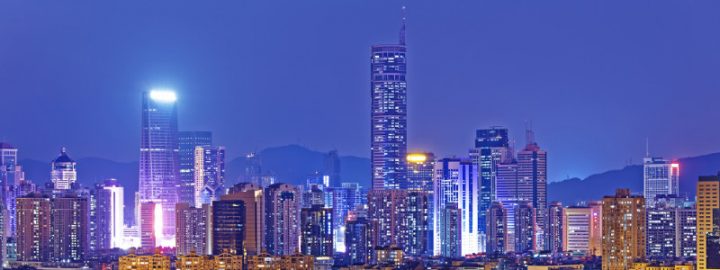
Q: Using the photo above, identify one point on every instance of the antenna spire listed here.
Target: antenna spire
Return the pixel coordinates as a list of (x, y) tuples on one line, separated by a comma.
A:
[(647, 147), (402, 27)]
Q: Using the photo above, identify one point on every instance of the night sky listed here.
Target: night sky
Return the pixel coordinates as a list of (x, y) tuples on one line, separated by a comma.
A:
[(595, 78)]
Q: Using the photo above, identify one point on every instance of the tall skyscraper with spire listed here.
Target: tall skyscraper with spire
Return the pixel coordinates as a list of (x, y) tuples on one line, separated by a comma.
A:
[(388, 93), (159, 161)]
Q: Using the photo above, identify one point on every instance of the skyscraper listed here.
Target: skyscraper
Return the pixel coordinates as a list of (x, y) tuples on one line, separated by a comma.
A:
[(576, 229), (496, 229), (491, 148), (228, 226), (187, 141), (468, 203), (69, 223), (525, 228), (316, 231), (149, 226), (107, 216), (10, 174), (34, 228), (388, 95), (402, 219), (209, 174), (63, 173), (532, 183), (359, 240), (687, 224), (623, 230), (159, 160), (445, 201), (192, 229), (282, 205), (708, 188), (252, 196), (660, 177), (596, 228), (555, 227), (420, 171)]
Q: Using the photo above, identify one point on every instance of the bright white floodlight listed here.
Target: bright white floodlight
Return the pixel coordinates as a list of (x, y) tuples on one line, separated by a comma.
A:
[(163, 95)]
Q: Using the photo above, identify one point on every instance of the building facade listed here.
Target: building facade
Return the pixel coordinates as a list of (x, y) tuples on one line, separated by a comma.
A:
[(209, 174), (192, 229), (623, 230), (660, 177), (282, 206), (187, 141)]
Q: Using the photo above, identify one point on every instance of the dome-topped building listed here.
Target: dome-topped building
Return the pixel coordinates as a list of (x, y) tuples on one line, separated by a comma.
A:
[(63, 173)]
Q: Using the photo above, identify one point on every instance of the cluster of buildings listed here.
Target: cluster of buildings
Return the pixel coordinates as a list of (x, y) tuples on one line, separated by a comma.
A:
[(438, 211)]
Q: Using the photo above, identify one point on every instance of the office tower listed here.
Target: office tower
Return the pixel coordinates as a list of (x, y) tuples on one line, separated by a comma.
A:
[(576, 225), (99, 222), (159, 161), (450, 238), (623, 230), (468, 203), (402, 219), (109, 214), (596, 228), (228, 226), (420, 171), (662, 227), (209, 174), (34, 230), (356, 196), (331, 164), (69, 223), (192, 229), (687, 226), (132, 261), (340, 202), (282, 205), (445, 199), (388, 95), (496, 229), (187, 141), (660, 177), (506, 193), (63, 173), (708, 188), (252, 196), (525, 228), (316, 231), (149, 226), (359, 240), (313, 195), (10, 173), (491, 148), (532, 182), (555, 226)]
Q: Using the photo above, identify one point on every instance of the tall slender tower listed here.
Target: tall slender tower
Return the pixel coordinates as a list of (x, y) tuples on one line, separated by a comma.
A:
[(388, 94), (159, 161), (532, 183), (491, 148)]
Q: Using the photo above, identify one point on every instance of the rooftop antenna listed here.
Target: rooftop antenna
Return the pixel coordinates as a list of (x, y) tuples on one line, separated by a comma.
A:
[(647, 147), (529, 134), (402, 28)]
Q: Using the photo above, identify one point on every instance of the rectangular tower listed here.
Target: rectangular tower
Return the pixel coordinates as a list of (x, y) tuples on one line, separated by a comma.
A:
[(708, 199), (187, 141), (623, 230), (660, 177)]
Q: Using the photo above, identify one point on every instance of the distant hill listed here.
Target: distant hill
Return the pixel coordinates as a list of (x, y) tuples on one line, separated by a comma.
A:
[(596, 186), (290, 164)]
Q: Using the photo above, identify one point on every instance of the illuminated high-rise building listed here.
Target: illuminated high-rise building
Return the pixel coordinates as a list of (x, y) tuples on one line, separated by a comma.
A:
[(316, 231), (252, 196), (555, 226), (660, 177), (10, 173), (149, 226), (468, 204), (420, 171), (506, 193), (159, 160), (282, 219), (708, 188), (525, 228), (69, 223), (532, 183), (192, 229), (445, 202), (576, 229), (596, 228), (623, 230), (228, 226), (388, 95), (34, 228), (187, 141), (687, 223), (496, 243), (401, 217), (491, 148), (107, 222), (359, 239), (663, 234), (63, 173), (209, 174)]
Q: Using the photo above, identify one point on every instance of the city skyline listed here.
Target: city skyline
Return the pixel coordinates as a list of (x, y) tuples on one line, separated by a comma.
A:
[(642, 78)]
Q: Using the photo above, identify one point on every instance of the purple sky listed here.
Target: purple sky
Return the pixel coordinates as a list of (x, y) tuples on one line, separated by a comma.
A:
[(594, 77)]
